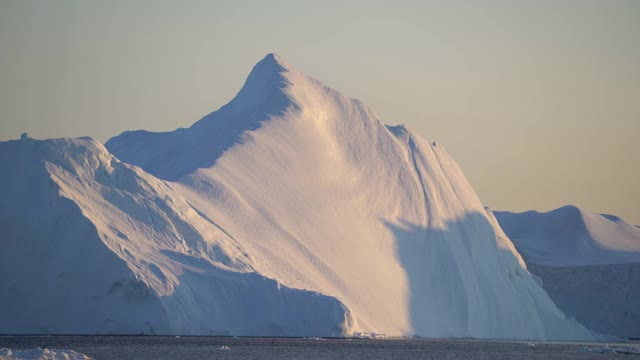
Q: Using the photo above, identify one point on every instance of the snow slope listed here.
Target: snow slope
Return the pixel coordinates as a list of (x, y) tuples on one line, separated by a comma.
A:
[(570, 236), (589, 263), (321, 195), (94, 245)]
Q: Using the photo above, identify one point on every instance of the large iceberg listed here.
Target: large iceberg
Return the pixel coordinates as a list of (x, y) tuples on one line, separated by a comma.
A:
[(292, 210)]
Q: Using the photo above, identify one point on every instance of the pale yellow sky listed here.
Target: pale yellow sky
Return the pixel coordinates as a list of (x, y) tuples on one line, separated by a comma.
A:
[(539, 101)]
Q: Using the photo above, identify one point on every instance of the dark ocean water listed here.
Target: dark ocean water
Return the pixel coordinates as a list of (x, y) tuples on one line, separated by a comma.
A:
[(160, 347)]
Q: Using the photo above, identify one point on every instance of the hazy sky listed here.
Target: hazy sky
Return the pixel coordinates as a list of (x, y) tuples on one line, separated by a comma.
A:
[(539, 101)]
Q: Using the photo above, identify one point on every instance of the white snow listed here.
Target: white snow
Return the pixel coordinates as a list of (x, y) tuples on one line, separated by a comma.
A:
[(570, 236), (290, 181), (332, 200), (41, 354), (589, 264), (93, 245)]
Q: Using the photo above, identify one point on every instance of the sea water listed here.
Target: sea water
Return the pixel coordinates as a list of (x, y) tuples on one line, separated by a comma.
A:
[(171, 347)]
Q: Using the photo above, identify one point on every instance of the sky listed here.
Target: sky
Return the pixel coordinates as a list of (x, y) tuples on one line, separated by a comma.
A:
[(538, 101)]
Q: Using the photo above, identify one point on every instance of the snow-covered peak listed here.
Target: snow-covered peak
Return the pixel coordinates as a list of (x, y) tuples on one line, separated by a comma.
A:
[(274, 62), (274, 91), (267, 78), (80, 155), (571, 236)]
